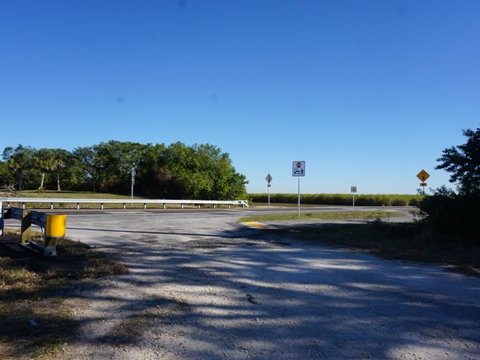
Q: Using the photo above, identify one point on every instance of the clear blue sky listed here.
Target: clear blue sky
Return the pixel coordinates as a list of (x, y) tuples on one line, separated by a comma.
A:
[(366, 92)]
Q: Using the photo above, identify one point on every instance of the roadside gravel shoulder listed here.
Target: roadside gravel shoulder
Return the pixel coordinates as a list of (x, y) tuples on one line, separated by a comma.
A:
[(250, 298)]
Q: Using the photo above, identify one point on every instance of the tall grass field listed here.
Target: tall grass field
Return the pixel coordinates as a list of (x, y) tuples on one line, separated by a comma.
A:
[(339, 199)]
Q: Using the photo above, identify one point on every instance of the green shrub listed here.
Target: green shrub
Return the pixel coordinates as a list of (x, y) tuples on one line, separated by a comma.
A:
[(453, 214)]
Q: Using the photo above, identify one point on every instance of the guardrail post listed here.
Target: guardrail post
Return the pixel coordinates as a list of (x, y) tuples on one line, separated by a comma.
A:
[(55, 228), (26, 227), (1, 219)]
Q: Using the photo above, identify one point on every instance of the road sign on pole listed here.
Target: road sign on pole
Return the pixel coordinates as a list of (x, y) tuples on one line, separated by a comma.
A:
[(423, 175), (298, 170), (269, 179), (353, 190), (133, 182)]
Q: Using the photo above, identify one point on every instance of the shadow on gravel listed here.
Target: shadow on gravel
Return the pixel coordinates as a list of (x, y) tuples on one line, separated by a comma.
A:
[(248, 294)]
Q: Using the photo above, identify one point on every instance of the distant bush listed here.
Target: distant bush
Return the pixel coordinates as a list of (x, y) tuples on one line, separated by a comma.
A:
[(340, 199), (454, 214)]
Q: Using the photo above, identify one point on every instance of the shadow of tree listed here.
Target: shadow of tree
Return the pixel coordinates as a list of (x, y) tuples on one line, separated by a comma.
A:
[(248, 294)]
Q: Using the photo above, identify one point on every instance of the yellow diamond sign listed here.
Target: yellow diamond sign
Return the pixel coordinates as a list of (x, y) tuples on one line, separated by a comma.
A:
[(423, 175)]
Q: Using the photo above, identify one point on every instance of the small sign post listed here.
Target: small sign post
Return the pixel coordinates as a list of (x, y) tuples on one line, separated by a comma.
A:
[(423, 176), (353, 190), (132, 183), (269, 179), (298, 170)]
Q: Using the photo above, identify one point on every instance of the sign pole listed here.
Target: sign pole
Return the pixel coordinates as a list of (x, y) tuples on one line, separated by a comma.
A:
[(299, 197), (268, 189), (353, 190), (269, 179), (133, 182), (423, 176), (298, 169)]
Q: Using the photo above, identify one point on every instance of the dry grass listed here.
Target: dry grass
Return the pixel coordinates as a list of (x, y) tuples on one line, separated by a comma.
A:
[(35, 321)]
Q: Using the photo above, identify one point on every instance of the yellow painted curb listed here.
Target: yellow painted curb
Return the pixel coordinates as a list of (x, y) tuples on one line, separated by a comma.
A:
[(258, 225)]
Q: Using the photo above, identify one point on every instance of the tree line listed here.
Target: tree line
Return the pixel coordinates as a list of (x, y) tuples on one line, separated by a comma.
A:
[(176, 171)]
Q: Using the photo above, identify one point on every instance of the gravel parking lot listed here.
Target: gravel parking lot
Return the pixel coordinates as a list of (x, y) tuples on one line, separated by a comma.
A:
[(231, 292)]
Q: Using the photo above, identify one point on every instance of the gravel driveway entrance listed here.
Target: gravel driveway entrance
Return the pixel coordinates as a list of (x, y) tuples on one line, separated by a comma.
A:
[(235, 293)]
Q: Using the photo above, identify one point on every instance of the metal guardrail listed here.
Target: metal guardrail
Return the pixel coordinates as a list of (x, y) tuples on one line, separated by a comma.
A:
[(164, 202), (23, 201), (29, 217)]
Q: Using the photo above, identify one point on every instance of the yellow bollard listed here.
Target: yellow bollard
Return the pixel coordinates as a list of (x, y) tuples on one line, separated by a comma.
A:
[(56, 227)]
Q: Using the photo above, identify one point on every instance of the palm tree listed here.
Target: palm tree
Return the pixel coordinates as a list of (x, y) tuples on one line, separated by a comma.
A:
[(44, 161), (59, 162)]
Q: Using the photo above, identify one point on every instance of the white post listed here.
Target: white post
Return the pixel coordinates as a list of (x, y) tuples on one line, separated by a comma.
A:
[(298, 196)]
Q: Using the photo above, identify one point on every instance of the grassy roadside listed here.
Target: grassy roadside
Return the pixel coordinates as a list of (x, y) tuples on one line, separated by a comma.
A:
[(401, 241), (35, 319), (334, 215)]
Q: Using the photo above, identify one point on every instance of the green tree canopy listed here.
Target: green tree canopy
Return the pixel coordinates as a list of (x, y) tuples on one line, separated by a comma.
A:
[(463, 162), (177, 171), (456, 214), (20, 163), (203, 172)]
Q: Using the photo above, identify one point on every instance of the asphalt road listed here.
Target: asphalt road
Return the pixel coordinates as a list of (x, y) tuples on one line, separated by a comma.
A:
[(204, 286), (100, 228)]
